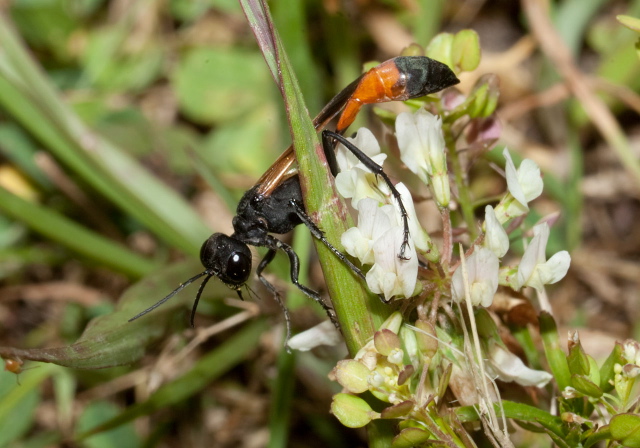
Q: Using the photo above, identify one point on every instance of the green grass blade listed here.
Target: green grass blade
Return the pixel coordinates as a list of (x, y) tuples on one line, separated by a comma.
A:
[(28, 95), (355, 308), (75, 237)]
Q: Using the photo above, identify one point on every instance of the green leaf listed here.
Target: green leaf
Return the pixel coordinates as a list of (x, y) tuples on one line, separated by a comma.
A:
[(625, 429), (18, 402), (555, 355), (208, 368), (577, 360), (99, 412), (111, 340), (517, 411), (440, 48), (352, 375), (214, 85), (465, 51), (398, 410), (607, 372), (111, 67), (603, 433), (633, 23)]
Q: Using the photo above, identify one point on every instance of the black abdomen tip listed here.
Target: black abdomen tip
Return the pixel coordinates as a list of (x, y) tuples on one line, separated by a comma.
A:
[(425, 75)]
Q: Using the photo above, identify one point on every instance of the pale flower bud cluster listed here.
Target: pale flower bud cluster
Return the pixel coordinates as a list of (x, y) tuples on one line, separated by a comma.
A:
[(384, 368), (631, 370)]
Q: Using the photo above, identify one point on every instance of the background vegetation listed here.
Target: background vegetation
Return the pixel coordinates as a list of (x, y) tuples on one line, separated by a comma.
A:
[(128, 132)]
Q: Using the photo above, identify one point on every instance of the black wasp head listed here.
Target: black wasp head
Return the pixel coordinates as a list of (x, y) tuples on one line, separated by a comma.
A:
[(227, 258)]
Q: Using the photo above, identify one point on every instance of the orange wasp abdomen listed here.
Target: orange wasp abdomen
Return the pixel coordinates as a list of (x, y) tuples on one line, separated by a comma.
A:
[(397, 79)]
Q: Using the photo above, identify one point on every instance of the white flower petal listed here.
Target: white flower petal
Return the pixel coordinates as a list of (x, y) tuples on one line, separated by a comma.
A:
[(555, 268), (413, 150), (366, 142), (496, 238), (324, 333), (508, 367), (530, 180), (533, 255), (373, 221), (513, 183), (534, 270), (357, 244), (482, 273), (391, 275)]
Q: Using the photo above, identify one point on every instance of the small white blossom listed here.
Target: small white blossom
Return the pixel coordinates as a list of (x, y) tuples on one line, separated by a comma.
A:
[(524, 184), (482, 273), (631, 351), (495, 237), (391, 275), (535, 270), (508, 367), (324, 333), (570, 392), (373, 221), (422, 149), (421, 142), (355, 180)]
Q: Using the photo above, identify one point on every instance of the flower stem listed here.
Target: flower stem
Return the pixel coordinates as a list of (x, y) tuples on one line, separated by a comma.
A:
[(464, 196)]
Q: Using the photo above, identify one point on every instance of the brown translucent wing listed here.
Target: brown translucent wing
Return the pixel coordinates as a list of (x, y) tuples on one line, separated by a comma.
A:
[(283, 167)]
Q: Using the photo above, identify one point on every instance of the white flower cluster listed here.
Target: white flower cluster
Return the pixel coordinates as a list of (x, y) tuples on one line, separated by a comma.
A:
[(377, 239), (379, 234), (483, 265)]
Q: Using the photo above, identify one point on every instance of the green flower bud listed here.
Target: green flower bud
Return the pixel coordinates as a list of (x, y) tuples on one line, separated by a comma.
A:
[(352, 411), (465, 50)]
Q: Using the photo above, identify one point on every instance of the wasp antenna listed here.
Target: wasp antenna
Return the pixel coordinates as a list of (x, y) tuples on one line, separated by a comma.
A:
[(171, 294), (195, 304)]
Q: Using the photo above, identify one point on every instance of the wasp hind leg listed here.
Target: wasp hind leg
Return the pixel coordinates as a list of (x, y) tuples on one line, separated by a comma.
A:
[(328, 141)]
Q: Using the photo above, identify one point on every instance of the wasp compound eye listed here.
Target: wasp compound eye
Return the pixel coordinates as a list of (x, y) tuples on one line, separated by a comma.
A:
[(238, 268), (228, 258)]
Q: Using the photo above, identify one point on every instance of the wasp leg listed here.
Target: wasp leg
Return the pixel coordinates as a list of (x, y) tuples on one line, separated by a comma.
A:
[(294, 262), (328, 138), (268, 258), (319, 234)]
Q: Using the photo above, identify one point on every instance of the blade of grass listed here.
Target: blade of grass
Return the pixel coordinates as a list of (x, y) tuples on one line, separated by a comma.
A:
[(74, 236), (357, 312), (280, 403), (556, 357), (28, 95), (517, 411)]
